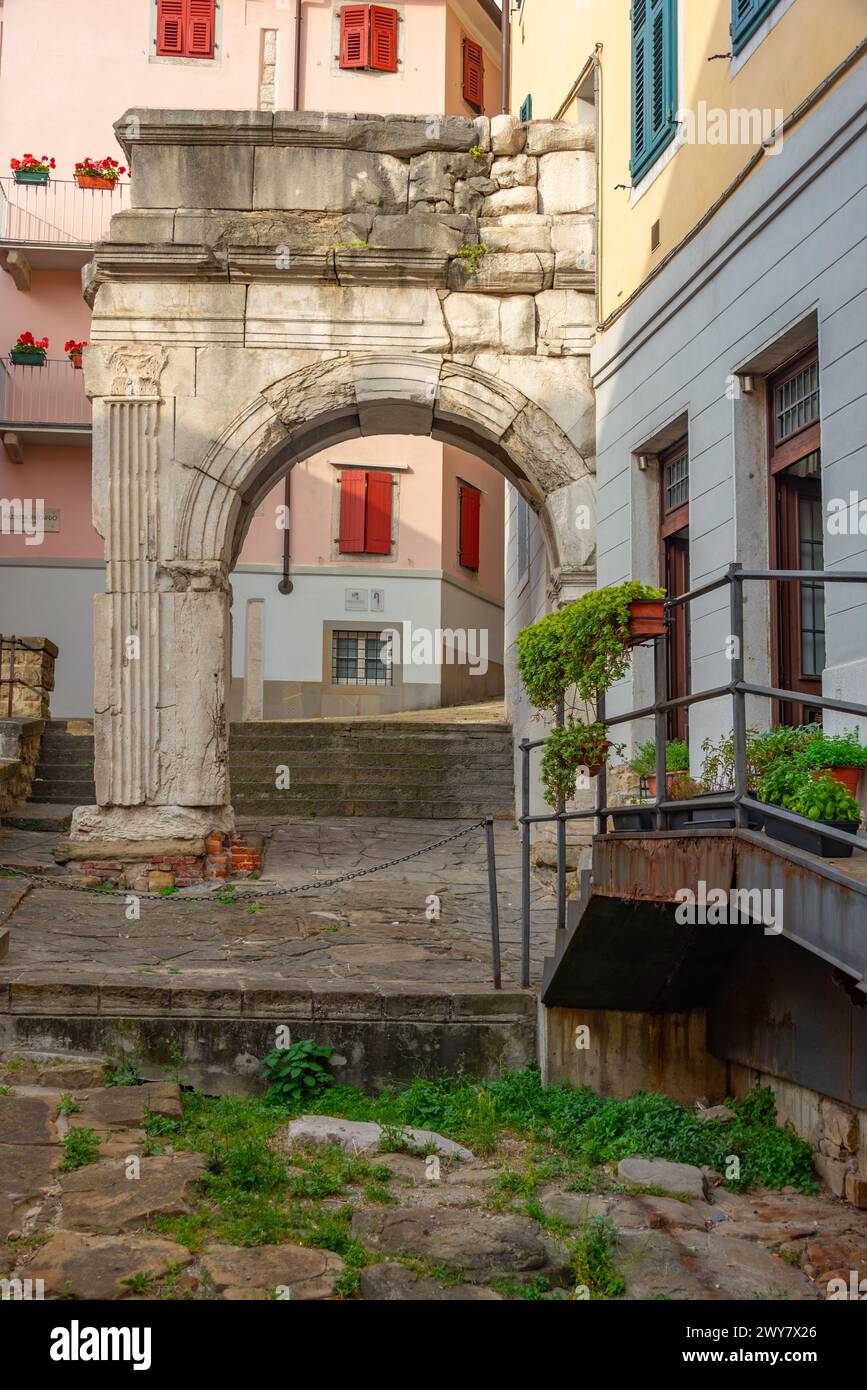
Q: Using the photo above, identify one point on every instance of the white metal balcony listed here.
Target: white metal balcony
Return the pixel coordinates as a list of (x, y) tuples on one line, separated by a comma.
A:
[(43, 405), (53, 226)]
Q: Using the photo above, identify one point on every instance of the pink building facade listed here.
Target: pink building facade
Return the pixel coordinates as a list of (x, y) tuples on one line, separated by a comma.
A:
[(310, 600)]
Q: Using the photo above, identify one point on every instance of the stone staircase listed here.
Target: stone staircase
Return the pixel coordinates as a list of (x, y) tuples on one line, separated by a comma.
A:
[(360, 767), (64, 773), (373, 768)]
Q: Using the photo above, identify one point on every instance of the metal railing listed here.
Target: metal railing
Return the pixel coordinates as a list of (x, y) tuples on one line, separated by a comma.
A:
[(738, 799), (50, 395), (58, 213)]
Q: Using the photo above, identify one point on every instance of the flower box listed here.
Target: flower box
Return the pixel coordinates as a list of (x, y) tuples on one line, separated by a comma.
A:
[(631, 818), (646, 619), (39, 176), (809, 837), (91, 181), (27, 357)]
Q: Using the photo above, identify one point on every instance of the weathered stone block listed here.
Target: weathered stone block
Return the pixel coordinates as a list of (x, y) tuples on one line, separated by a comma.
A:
[(567, 182), (423, 232), (507, 324), (193, 176), (511, 200), (547, 137), (533, 234), (503, 273), (327, 180), (508, 135), (567, 321), (520, 170), (839, 1125)]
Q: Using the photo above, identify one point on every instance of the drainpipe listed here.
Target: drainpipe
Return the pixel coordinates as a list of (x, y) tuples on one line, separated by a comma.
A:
[(296, 88), (286, 586), (506, 57)]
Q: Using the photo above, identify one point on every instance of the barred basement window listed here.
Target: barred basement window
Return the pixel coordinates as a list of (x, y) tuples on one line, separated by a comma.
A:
[(677, 481), (361, 658), (796, 402)]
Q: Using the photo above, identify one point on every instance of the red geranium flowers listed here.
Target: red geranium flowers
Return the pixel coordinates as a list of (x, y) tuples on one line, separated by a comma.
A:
[(29, 161), (107, 169), (27, 343), (73, 348)]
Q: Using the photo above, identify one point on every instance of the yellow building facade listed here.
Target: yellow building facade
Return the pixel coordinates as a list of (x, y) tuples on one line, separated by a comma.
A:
[(568, 51)]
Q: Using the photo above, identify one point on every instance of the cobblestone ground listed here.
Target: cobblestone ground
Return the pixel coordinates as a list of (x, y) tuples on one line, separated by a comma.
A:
[(377, 929), (403, 1229)]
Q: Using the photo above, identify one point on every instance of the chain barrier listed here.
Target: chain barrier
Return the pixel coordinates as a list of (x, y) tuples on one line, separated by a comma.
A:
[(40, 880)]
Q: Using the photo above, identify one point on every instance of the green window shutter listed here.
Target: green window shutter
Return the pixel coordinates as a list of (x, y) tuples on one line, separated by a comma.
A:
[(654, 81), (527, 108), (747, 15)]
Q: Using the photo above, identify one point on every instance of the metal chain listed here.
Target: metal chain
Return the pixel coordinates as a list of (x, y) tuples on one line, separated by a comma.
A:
[(40, 881)]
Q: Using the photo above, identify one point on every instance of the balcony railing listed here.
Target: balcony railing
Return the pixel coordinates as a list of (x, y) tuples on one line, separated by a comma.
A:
[(58, 213), (738, 799), (43, 397)]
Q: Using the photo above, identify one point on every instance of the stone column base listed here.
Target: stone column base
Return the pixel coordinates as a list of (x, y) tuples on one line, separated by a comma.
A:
[(147, 823)]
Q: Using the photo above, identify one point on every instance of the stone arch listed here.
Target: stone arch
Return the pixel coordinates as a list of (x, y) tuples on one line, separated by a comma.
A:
[(367, 394)]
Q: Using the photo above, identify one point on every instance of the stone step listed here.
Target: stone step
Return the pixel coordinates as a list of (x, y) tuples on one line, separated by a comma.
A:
[(380, 744), (404, 810)]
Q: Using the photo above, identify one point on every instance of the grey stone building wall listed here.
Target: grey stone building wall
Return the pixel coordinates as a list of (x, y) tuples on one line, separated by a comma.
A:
[(781, 265)]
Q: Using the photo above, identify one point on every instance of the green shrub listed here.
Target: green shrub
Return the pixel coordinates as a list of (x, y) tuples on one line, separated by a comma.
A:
[(643, 761), (296, 1074), (836, 750)]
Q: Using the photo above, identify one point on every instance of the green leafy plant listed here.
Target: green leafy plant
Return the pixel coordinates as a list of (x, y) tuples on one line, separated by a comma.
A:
[(584, 645), (592, 1259), (567, 750), (476, 151), (823, 798), (835, 750), (81, 1147), (68, 1105), (643, 761), (763, 750), (471, 253), (297, 1074)]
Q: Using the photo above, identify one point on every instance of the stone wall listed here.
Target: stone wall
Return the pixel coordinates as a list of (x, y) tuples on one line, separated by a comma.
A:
[(19, 753), (28, 664)]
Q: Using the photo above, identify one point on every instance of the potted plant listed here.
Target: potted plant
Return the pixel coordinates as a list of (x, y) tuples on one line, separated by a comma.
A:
[(643, 763), (73, 351), (99, 174), (29, 351), (839, 756), (585, 645), (29, 169), (822, 800), (569, 749), (647, 615)]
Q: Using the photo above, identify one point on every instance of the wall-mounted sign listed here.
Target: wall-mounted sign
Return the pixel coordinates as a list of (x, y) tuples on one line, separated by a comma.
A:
[(52, 519), (356, 601), (377, 600)]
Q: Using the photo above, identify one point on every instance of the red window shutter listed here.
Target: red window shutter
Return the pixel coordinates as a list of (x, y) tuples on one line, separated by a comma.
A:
[(474, 74), (378, 527), (170, 27), (200, 28), (383, 38), (471, 500), (354, 26), (351, 540)]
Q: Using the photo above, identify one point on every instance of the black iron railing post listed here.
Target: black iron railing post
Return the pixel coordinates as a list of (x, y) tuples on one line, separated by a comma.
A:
[(525, 863), (660, 721), (739, 699), (600, 823), (495, 907), (561, 838)]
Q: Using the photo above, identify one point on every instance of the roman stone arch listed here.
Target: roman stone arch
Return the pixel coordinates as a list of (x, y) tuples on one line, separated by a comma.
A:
[(234, 335)]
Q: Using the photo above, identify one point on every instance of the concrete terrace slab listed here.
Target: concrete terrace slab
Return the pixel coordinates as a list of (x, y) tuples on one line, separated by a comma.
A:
[(357, 965)]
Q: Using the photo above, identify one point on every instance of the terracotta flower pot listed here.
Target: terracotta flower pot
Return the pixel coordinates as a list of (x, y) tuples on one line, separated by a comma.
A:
[(646, 619), (91, 181), (75, 359), (594, 769), (669, 778), (848, 777)]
